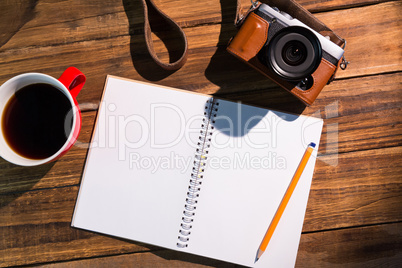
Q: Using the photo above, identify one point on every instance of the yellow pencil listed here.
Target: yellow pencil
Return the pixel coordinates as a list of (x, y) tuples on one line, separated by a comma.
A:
[(285, 200)]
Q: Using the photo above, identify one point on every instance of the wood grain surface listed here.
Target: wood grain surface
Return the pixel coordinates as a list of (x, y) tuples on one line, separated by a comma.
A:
[(354, 213)]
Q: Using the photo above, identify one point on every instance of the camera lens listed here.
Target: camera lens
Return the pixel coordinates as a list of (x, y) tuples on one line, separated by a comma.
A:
[(293, 53)]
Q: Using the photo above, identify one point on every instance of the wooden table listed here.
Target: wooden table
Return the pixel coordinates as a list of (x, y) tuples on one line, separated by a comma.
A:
[(354, 212)]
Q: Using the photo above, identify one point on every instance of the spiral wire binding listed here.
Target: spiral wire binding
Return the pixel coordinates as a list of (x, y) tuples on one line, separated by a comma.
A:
[(197, 176)]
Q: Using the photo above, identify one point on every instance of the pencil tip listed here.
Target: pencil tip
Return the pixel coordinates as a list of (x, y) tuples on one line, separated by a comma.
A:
[(257, 257)]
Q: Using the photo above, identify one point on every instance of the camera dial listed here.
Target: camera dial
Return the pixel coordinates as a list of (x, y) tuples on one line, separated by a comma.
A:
[(286, 15), (293, 53)]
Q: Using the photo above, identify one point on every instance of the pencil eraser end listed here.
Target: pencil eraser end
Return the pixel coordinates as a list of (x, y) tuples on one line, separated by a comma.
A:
[(312, 144)]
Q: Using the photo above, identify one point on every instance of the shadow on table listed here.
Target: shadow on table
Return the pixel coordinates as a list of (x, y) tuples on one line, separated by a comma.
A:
[(142, 61), (187, 257), (166, 254), (224, 70), (16, 180), (13, 15)]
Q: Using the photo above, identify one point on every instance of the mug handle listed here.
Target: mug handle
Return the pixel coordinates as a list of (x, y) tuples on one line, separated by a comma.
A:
[(73, 79)]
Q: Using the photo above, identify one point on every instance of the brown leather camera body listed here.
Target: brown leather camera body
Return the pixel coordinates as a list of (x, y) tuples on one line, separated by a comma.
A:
[(252, 37)]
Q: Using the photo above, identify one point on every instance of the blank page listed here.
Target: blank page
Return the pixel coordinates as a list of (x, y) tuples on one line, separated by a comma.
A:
[(138, 167), (253, 156)]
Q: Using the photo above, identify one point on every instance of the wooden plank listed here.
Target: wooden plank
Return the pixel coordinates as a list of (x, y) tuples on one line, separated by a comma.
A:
[(356, 188), (209, 69), (363, 47), (314, 6), (36, 228), (15, 14), (373, 246), (160, 258), (379, 129), (344, 195)]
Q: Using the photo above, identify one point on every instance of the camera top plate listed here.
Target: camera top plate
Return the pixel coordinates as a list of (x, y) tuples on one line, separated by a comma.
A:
[(327, 45)]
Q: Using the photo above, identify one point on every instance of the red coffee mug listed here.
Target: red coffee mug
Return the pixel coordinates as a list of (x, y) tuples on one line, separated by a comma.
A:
[(70, 84)]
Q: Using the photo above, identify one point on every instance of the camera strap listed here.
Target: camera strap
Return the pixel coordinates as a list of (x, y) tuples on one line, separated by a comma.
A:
[(289, 6), (150, 44)]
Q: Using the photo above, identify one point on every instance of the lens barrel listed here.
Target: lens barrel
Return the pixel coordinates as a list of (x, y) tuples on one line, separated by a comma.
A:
[(293, 53)]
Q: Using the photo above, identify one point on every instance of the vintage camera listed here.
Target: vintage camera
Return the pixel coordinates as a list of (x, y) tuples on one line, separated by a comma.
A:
[(286, 50)]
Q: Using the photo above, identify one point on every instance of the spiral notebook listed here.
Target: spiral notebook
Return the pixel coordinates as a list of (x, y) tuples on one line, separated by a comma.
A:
[(195, 173)]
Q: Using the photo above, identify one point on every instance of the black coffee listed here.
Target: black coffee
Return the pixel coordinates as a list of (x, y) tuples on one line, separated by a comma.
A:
[(34, 121)]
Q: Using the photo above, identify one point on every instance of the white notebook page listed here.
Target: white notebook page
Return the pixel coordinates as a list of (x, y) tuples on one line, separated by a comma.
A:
[(246, 177), (138, 169)]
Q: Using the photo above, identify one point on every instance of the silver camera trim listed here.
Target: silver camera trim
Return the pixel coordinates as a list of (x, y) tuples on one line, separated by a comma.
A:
[(327, 45)]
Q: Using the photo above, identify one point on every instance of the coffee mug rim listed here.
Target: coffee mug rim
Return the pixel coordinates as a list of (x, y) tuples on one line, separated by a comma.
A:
[(24, 161)]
